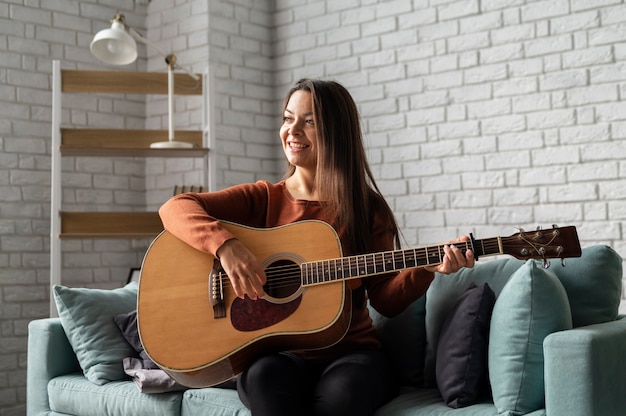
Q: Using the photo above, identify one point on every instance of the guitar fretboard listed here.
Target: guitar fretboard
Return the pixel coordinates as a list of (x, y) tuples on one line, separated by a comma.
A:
[(351, 267)]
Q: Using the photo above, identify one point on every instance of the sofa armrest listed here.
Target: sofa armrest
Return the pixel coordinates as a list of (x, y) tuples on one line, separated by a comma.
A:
[(585, 370), (49, 355)]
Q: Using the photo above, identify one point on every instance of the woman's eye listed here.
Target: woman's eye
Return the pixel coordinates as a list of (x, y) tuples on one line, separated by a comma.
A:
[(290, 120)]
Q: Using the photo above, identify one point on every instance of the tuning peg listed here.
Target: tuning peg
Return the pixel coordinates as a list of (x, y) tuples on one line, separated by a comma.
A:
[(562, 262), (546, 264)]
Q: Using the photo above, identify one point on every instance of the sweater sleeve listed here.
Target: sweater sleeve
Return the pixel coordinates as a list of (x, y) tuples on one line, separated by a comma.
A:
[(195, 217)]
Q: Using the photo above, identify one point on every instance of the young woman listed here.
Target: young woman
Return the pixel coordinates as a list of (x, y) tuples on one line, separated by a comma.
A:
[(328, 179)]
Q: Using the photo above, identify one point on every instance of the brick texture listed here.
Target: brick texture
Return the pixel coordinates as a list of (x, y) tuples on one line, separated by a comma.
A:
[(479, 116)]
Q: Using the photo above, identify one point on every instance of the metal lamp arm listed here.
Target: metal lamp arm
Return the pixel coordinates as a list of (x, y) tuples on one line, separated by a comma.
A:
[(170, 59)]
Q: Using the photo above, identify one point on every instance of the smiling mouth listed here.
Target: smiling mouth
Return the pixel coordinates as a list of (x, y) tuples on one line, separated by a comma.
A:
[(297, 146)]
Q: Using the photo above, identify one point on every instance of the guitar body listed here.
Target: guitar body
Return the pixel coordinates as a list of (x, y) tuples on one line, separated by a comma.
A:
[(178, 325)]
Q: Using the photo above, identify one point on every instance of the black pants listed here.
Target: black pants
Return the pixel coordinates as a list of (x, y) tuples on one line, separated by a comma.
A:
[(284, 384)]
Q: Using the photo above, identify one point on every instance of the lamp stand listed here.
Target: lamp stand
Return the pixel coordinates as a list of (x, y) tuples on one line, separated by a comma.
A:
[(171, 143)]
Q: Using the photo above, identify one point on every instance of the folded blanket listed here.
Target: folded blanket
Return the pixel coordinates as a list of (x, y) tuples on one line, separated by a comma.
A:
[(149, 380)]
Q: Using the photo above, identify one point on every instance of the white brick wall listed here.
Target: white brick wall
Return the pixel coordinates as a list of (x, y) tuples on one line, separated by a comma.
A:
[(498, 114), (501, 102), (245, 111), (479, 116)]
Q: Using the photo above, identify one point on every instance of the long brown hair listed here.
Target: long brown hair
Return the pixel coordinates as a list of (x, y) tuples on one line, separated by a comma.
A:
[(343, 179)]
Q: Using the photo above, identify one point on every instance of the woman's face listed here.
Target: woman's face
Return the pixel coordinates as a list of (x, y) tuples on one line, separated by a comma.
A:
[(298, 132)]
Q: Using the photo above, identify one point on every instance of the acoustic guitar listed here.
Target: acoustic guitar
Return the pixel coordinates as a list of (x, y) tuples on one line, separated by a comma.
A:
[(193, 326)]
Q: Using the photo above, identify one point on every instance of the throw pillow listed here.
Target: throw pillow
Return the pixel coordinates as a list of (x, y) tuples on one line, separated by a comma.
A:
[(593, 283), (87, 319), (461, 366), (127, 323), (532, 305)]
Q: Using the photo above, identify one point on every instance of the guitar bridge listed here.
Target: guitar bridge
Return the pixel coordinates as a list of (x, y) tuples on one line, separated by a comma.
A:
[(216, 290)]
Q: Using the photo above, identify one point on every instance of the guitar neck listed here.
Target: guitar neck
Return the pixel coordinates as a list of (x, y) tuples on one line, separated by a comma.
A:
[(364, 265)]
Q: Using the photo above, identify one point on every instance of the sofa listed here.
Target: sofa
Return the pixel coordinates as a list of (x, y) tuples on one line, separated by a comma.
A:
[(507, 337)]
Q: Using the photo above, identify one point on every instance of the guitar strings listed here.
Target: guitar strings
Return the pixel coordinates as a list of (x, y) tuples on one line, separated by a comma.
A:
[(285, 275)]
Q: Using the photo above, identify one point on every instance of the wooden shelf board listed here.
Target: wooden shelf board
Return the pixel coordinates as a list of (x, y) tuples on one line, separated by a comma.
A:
[(132, 152), (110, 224), (125, 142), (127, 82), (119, 138)]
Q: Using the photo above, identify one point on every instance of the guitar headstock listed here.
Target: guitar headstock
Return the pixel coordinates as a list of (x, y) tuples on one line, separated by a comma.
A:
[(555, 242)]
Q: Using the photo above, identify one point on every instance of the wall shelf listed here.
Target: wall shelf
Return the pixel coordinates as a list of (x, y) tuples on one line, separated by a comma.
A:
[(119, 142), (127, 82), (114, 142)]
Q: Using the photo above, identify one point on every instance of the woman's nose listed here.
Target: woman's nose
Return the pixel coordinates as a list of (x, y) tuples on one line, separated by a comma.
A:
[(296, 127)]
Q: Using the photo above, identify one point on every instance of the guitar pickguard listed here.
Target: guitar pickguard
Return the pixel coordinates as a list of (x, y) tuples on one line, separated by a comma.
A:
[(252, 315)]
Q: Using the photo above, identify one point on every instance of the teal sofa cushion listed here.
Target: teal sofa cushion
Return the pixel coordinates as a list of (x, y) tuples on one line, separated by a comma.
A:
[(427, 402), (593, 283), (532, 305), (405, 347), (87, 319), (213, 401), (73, 394)]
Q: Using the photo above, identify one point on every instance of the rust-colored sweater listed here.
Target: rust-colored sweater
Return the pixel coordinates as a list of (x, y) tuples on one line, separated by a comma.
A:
[(194, 218)]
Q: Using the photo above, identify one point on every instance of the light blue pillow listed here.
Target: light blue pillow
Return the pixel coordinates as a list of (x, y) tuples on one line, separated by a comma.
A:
[(87, 319), (532, 305), (593, 283)]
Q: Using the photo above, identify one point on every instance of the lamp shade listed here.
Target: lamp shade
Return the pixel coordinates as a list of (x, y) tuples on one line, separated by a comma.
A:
[(114, 45)]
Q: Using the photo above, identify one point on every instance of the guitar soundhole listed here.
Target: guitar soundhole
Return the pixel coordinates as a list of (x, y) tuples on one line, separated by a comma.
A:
[(283, 280)]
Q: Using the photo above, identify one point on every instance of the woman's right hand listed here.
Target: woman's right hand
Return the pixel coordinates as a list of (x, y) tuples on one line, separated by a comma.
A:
[(243, 269)]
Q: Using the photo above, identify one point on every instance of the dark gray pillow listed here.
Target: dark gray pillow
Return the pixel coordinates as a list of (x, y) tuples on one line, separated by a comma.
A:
[(127, 323), (461, 363)]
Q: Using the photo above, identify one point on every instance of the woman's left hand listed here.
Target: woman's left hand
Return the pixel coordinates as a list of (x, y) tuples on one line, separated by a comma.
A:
[(453, 259)]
